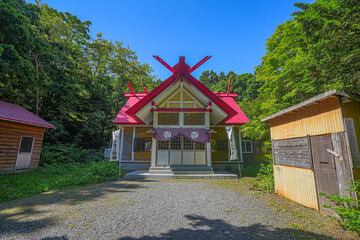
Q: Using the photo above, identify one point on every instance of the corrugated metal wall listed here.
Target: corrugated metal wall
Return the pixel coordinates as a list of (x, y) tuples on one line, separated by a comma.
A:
[(322, 118), (296, 184)]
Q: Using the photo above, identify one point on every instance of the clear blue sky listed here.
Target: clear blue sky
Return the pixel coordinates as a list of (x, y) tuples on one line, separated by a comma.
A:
[(232, 32)]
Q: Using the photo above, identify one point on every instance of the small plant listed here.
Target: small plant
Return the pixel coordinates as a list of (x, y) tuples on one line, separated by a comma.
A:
[(348, 208)]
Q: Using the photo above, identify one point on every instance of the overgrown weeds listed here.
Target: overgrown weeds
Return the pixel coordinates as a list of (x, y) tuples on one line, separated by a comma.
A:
[(259, 170), (68, 153), (56, 176), (348, 208)]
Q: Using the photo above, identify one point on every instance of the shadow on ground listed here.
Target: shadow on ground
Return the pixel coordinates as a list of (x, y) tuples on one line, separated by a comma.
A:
[(23, 215), (219, 229)]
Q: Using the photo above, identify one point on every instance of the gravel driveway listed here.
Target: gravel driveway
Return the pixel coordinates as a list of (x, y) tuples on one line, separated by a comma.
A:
[(172, 209)]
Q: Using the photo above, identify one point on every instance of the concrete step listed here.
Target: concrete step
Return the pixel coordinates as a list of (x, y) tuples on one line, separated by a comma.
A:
[(192, 170), (160, 170)]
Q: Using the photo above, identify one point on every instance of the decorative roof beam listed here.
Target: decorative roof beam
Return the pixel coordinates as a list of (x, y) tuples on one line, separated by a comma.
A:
[(164, 63), (180, 110), (199, 63)]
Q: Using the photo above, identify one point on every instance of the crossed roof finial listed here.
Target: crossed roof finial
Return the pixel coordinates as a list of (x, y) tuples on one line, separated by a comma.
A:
[(182, 60)]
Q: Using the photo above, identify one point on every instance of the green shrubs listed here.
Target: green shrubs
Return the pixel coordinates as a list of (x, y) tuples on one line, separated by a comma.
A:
[(67, 153), (348, 208), (260, 169), (56, 176)]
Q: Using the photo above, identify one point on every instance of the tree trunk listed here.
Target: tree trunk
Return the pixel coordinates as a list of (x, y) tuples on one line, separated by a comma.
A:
[(37, 83)]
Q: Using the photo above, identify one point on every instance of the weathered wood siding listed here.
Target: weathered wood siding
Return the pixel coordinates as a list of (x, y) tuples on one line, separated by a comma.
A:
[(322, 118), (292, 152), (296, 184), (10, 135), (352, 110)]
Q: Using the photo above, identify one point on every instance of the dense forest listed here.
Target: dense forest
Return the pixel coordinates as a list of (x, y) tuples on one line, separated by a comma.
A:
[(50, 65)]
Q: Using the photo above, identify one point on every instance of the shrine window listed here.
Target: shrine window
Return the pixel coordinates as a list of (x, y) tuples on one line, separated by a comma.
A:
[(168, 119), (194, 119)]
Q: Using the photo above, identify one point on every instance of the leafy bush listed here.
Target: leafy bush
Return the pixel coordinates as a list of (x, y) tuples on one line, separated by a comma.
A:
[(260, 169), (69, 153), (348, 208), (56, 176)]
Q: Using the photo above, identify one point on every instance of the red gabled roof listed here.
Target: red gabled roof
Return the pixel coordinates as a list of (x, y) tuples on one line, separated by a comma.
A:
[(123, 118), (240, 117), (15, 113), (181, 72)]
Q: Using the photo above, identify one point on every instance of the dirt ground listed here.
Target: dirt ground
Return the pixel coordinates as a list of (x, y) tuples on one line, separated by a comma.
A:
[(166, 209)]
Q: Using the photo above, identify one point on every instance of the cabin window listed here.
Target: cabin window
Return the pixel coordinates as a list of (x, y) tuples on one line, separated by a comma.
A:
[(142, 145), (26, 145), (194, 118), (246, 146), (168, 118)]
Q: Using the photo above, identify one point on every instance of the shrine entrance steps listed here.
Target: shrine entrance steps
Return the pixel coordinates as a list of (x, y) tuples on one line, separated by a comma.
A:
[(181, 172)]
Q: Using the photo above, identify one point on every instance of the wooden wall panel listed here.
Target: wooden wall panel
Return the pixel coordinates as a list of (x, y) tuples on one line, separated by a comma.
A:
[(10, 135), (352, 110), (220, 133), (142, 156), (219, 156), (322, 118), (292, 152), (140, 132), (296, 184)]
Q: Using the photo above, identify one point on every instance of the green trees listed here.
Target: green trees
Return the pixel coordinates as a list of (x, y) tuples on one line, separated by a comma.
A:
[(50, 65), (316, 51)]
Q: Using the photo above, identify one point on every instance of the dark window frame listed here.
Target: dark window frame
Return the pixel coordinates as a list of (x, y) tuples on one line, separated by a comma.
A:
[(244, 144), (21, 146), (140, 144)]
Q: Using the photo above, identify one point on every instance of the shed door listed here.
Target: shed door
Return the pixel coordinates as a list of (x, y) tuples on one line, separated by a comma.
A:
[(324, 167), (23, 159)]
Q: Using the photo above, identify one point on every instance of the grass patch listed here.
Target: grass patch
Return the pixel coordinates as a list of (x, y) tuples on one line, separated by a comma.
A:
[(55, 176)]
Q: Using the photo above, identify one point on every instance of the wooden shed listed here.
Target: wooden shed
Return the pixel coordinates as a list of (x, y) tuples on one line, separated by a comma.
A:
[(315, 148), (21, 137)]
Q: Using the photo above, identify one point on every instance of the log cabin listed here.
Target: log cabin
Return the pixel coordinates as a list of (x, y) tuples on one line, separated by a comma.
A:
[(21, 138), (180, 126)]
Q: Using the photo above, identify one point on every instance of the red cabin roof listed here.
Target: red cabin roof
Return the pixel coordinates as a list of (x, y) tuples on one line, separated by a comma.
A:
[(15, 113)]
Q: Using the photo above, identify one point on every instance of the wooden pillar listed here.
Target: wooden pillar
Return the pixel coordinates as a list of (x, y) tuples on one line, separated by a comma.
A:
[(153, 152), (132, 147), (240, 147), (122, 143)]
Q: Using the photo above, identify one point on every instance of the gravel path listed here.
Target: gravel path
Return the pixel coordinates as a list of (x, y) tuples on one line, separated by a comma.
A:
[(146, 210)]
